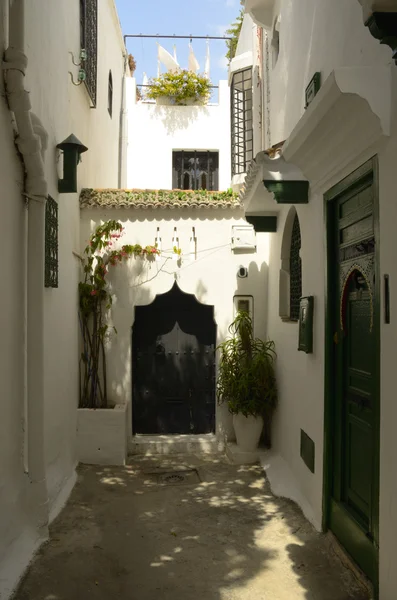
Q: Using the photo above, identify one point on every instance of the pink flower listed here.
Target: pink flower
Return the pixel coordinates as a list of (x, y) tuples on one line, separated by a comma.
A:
[(93, 292)]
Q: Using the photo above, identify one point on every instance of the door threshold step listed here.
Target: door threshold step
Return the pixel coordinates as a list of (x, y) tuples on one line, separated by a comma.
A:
[(150, 445)]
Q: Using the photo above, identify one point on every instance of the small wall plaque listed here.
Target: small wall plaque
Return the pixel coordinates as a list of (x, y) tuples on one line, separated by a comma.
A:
[(312, 88), (306, 324)]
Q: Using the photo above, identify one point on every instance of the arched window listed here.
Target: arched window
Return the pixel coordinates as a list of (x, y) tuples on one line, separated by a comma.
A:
[(290, 283), (110, 94)]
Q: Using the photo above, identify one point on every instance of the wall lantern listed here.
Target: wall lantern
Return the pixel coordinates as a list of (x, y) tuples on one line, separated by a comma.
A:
[(72, 150)]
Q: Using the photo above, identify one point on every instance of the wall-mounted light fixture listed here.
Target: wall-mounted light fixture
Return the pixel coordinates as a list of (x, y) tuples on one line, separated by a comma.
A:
[(72, 149)]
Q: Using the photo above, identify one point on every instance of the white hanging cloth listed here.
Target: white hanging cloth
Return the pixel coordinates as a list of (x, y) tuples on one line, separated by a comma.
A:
[(207, 60), (166, 59), (145, 83), (193, 63)]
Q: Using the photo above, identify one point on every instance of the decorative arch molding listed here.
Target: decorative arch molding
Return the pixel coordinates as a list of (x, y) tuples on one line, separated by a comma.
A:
[(290, 254), (261, 11), (355, 271), (354, 102), (165, 307)]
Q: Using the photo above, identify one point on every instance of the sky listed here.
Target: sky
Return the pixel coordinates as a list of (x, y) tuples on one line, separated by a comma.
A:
[(179, 17)]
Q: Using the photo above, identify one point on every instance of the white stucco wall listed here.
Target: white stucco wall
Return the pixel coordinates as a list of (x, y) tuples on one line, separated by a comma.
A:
[(212, 278), (155, 131), (315, 35), (324, 35), (52, 30)]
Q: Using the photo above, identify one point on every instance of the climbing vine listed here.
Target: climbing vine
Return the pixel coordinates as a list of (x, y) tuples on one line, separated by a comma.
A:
[(95, 300)]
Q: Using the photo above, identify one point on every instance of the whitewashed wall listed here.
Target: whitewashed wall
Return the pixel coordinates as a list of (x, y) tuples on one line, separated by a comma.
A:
[(212, 278), (155, 131), (52, 30), (324, 35)]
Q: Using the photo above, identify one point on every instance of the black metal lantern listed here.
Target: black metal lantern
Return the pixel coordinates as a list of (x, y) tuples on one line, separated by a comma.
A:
[(72, 149)]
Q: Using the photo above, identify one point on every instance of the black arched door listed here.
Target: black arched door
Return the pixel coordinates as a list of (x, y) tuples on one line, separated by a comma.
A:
[(173, 342)]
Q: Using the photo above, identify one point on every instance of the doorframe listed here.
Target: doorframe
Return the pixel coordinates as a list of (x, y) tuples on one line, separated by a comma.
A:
[(132, 360), (329, 423)]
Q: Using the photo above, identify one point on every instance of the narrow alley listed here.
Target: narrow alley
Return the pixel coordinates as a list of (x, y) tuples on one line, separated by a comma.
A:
[(184, 528)]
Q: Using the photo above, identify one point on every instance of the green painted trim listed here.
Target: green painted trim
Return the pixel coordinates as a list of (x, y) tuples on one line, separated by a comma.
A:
[(377, 329), (367, 170), (306, 309), (262, 224), (288, 192), (350, 533), (313, 88)]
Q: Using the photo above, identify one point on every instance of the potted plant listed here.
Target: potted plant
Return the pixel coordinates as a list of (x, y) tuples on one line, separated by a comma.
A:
[(247, 382), (180, 88), (101, 424)]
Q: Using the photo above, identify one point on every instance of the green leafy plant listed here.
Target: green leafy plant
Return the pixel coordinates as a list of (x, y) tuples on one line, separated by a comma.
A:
[(246, 378), (234, 32), (95, 300), (180, 86)]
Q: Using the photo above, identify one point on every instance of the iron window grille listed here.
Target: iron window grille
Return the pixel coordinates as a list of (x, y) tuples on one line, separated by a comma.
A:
[(51, 244), (241, 121), (295, 271), (110, 94), (89, 41), (193, 170)]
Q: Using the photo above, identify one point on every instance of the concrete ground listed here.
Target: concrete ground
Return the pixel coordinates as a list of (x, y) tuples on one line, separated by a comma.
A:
[(131, 534)]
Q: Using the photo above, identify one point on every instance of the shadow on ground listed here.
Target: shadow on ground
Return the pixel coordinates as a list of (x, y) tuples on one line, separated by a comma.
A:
[(224, 536)]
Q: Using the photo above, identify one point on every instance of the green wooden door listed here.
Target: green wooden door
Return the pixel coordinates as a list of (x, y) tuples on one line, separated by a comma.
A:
[(353, 374)]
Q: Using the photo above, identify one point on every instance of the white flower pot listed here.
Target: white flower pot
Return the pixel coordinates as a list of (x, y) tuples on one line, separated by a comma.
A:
[(169, 101), (248, 431), (102, 435), (165, 101)]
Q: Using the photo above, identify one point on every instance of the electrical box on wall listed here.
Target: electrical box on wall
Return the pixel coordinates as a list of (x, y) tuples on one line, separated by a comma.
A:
[(306, 325), (243, 238)]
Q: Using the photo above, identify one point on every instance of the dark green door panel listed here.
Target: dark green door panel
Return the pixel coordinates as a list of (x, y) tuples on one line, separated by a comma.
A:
[(352, 369)]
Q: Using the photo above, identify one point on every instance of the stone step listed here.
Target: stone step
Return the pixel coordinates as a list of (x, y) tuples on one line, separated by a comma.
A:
[(150, 445)]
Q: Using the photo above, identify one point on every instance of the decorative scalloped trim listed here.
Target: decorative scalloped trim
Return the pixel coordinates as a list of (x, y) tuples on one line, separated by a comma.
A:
[(353, 268), (144, 199)]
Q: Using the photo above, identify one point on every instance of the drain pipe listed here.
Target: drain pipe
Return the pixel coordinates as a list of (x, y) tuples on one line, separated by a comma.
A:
[(31, 142)]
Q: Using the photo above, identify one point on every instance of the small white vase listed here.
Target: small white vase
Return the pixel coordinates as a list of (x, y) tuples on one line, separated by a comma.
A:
[(248, 431)]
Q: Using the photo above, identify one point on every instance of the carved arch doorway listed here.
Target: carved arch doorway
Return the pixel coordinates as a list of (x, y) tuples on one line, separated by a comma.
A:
[(173, 344)]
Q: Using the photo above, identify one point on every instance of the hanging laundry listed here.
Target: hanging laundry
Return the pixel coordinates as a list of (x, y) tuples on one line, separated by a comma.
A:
[(145, 85), (207, 60), (164, 57), (193, 62)]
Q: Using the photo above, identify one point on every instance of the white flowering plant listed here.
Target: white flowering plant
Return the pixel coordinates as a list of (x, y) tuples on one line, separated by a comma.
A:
[(180, 86)]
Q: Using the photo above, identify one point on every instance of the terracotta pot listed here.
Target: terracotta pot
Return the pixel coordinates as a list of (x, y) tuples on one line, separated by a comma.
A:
[(248, 431)]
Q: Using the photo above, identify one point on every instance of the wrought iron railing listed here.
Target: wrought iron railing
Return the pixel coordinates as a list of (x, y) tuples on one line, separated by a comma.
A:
[(51, 244), (295, 271), (241, 121), (89, 41)]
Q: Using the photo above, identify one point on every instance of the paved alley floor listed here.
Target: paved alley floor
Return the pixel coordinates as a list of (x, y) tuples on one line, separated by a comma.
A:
[(184, 528)]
